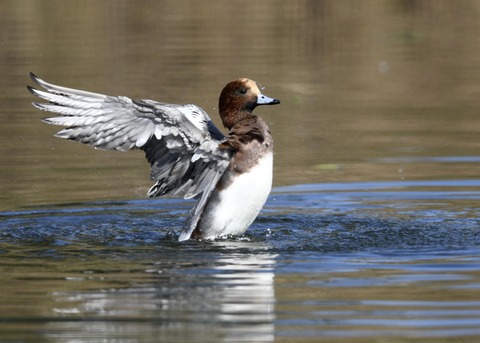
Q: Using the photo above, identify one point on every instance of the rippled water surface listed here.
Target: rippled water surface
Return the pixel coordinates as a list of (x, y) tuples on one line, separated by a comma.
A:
[(372, 232), (349, 260)]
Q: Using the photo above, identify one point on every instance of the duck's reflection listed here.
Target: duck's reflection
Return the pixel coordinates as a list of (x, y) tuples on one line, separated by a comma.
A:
[(228, 298)]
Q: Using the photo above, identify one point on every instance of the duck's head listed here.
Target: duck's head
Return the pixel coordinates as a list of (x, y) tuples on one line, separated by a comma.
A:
[(239, 98)]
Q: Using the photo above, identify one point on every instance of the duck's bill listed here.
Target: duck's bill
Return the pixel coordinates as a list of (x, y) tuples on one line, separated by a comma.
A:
[(265, 100)]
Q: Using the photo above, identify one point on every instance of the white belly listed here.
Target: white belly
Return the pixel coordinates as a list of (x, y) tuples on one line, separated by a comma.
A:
[(240, 202)]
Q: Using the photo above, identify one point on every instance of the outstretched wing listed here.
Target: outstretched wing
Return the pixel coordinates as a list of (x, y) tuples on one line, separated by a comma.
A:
[(180, 141)]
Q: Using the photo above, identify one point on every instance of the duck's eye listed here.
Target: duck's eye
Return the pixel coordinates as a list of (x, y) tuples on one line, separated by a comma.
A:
[(243, 91)]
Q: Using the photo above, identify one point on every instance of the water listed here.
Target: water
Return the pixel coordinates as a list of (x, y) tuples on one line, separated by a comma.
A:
[(372, 232), (349, 260)]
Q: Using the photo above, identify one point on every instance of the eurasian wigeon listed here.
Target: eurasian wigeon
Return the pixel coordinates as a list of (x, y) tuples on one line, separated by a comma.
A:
[(231, 176)]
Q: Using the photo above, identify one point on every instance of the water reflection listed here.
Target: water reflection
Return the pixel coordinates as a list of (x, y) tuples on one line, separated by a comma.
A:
[(351, 260), (229, 298)]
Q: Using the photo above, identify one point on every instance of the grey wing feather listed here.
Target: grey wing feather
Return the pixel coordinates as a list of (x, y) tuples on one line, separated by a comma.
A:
[(180, 141)]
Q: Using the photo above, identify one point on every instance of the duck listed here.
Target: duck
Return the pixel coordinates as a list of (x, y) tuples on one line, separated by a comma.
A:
[(230, 176)]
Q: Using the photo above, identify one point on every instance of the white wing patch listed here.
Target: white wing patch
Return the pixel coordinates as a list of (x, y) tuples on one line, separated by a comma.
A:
[(195, 115)]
